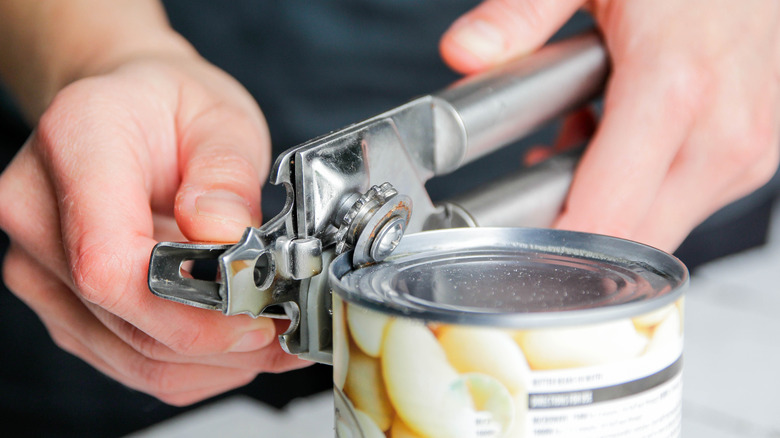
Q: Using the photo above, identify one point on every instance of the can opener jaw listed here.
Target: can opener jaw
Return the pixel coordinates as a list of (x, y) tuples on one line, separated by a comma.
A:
[(354, 189)]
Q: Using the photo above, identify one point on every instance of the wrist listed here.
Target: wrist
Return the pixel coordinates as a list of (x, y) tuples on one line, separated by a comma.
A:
[(110, 54), (47, 44), (106, 57)]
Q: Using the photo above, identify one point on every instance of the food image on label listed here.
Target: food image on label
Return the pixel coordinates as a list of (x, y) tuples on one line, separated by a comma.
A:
[(405, 378)]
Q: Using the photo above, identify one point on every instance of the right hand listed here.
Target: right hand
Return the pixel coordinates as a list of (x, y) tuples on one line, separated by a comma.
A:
[(691, 117), (153, 148)]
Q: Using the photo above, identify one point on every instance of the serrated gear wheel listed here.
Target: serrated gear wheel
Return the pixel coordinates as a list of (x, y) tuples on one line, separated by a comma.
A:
[(374, 224)]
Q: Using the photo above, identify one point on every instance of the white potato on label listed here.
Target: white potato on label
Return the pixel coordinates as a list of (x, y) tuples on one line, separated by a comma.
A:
[(365, 387), (343, 430), (667, 338), (578, 346), (367, 425), (517, 429), (399, 429), (340, 344), (486, 350), (424, 389), (645, 323), (681, 309), (494, 405), (367, 328)]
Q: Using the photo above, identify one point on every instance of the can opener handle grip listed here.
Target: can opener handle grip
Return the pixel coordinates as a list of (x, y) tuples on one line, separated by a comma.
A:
[(487, 111)]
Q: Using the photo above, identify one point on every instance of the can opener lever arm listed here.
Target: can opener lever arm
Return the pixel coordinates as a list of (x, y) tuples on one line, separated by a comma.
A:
[(354, 189)]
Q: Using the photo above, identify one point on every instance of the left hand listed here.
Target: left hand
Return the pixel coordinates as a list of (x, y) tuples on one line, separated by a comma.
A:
[(154, 148), (691, 112)]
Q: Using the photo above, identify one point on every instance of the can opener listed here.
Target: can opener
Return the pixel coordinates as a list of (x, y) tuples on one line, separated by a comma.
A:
[(355, 190)]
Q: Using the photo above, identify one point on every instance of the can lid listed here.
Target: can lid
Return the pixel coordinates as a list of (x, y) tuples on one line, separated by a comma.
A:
[(513, 277)]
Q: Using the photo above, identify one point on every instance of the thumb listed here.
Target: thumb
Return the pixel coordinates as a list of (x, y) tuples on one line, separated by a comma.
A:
[(499, 30), (223, 161)]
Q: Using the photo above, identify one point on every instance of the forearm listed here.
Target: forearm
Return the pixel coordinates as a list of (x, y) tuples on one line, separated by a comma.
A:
[(46, 44)]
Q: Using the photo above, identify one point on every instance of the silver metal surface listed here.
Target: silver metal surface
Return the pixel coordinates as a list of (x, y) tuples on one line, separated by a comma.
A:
[(513, 277), (387, 239), (532, 198), (374, 224), (273, 270), (482, 113), (166, 279)]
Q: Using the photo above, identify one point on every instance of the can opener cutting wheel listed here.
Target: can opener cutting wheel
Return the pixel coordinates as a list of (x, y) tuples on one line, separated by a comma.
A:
[(355, 189)]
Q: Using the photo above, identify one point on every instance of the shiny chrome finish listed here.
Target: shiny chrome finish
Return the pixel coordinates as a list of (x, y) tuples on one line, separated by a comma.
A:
[(166, 279), (374, 225), (513, 277), (488, 111), (532, 198), (387, 239)]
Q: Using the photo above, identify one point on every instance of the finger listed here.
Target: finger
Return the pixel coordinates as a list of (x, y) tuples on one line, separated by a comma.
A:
[(674, 215), (100, 172), (268, 359), (646, 119), (76, 330), (166, 394), (224, 158), (726, 157), (166, 229), (33, 222), (499, 30)]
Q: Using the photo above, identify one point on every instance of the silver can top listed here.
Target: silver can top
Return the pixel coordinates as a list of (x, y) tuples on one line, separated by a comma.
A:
[(513, 277)]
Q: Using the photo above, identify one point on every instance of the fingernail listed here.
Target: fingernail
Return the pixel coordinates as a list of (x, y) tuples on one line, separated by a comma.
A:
[(254, 340), (225, 206), (480, 38)]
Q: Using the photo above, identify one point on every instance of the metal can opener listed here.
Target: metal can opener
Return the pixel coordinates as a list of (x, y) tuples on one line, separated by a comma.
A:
[(361, 188)]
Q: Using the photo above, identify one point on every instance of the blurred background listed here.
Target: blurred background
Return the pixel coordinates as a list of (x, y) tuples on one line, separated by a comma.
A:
[(318, 66)]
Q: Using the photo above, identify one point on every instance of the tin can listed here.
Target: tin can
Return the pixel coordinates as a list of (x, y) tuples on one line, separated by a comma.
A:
[(509, 332)]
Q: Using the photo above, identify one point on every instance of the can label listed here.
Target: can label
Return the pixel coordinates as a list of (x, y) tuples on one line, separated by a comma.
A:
[(400, 377)]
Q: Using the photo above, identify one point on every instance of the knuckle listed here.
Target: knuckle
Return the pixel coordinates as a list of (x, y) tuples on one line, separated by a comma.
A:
[(144, 344), (241, 114), (749, 145), (222, 163), (185, 341), (97, 272), (687, 86), (68, 104), (74, 110)]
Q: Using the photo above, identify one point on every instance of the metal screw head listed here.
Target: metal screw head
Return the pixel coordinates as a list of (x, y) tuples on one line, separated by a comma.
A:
[(388, 237), (373, 225)]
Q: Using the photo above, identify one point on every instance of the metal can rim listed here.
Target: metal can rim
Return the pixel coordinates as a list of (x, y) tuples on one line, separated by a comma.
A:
[(585, 246)]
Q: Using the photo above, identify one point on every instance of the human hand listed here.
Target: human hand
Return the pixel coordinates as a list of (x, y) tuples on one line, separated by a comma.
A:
[(691, 110), (152, 148)]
